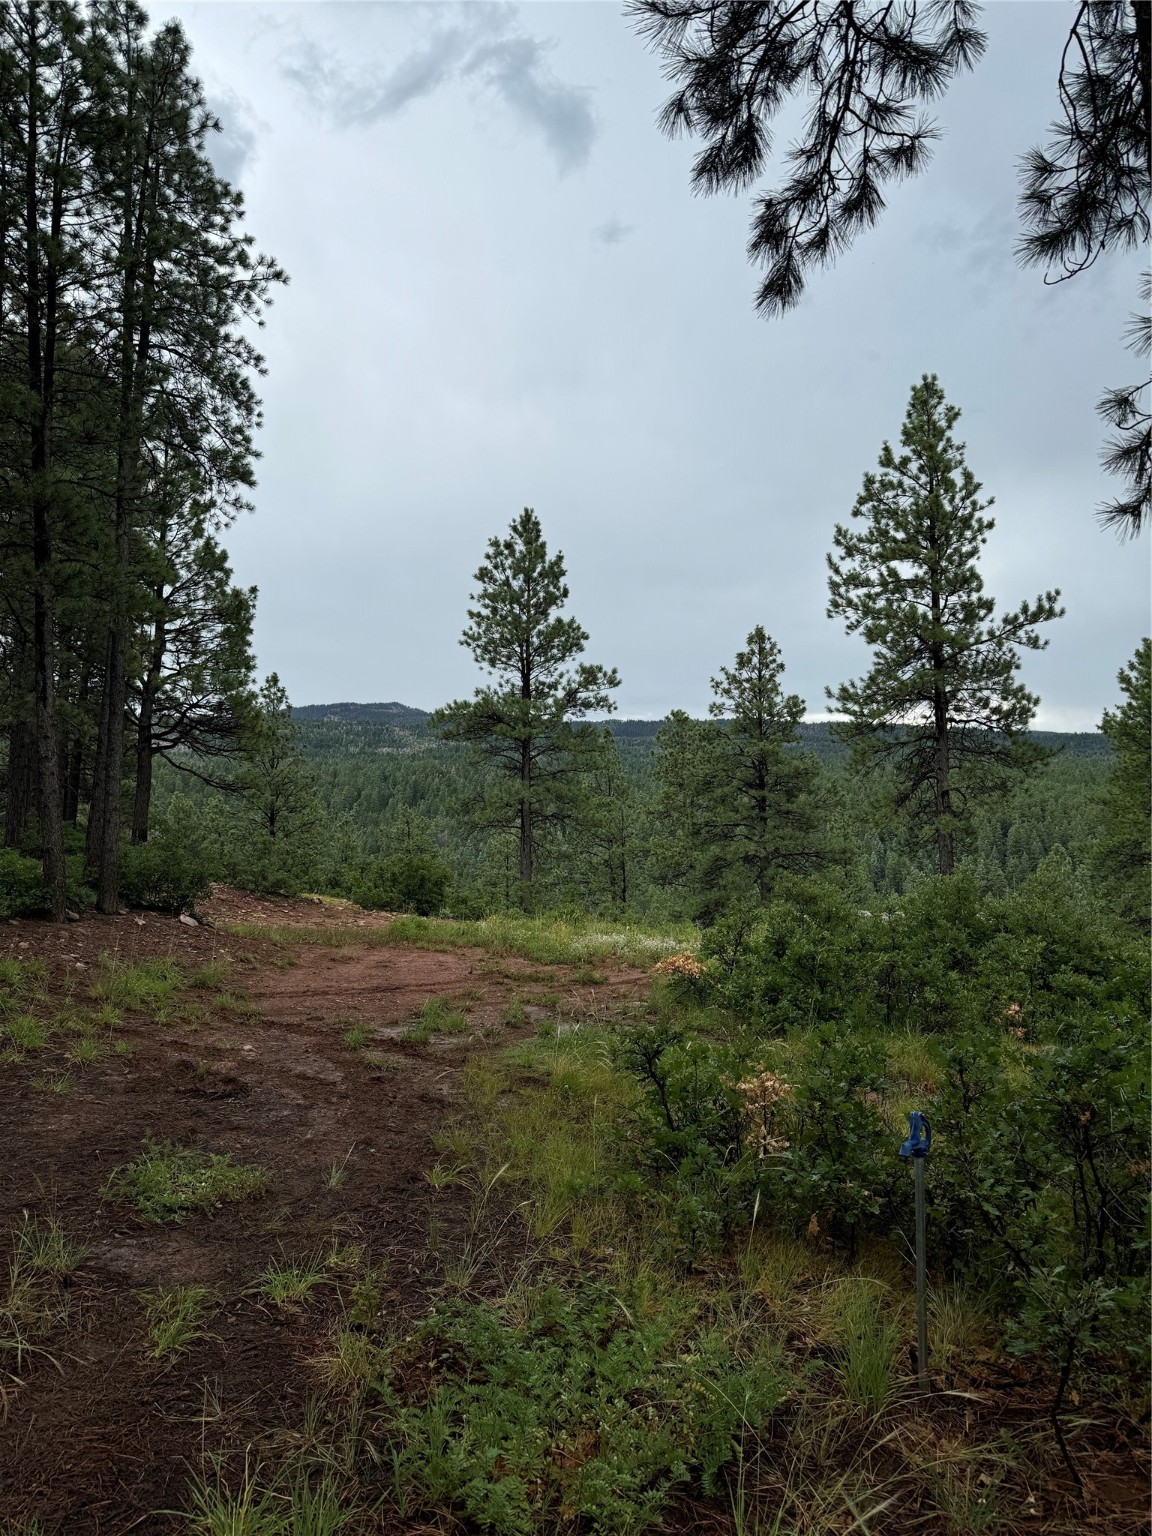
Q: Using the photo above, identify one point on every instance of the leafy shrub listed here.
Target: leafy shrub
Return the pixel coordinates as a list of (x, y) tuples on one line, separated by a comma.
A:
[(407, 882), (576, 1411), (22, 889), (162, 875)]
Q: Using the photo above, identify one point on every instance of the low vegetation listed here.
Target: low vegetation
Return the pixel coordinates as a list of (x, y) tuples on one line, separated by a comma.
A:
[(168, 1182)]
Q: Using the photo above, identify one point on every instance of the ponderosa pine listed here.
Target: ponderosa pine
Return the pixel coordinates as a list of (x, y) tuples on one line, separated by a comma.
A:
[(941, 706)]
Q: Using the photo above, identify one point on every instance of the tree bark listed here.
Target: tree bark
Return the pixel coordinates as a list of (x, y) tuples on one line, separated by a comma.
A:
[(142, 801), (41, 344), (22, 788)]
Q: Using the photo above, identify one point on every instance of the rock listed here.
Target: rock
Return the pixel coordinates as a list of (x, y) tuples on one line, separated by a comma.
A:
[(73, 917), (188, 921), (121, 911)]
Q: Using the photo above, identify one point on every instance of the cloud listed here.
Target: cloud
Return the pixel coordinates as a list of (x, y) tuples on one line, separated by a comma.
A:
[(485, 45), (612, 231), (231, 149)]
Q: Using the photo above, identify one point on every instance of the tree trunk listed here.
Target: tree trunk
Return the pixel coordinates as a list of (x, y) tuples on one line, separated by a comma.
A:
[(142, 802), (22, 790), (941, 757), (526, 849), (41, 344)]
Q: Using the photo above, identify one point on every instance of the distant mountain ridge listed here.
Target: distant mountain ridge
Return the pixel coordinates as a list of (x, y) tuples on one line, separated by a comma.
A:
[(394, 721)]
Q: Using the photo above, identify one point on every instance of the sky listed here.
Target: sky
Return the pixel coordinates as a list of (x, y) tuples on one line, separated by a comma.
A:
[(503, 293)]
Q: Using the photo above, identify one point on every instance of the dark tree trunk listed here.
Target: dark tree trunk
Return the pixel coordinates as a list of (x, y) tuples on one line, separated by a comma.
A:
[(41, 343), (526, 850), (22, 788), (142, 802)]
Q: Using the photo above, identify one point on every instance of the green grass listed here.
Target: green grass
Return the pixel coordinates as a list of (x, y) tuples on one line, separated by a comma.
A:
[(356, 1036), (43, 1247), (168, 1182), (213, 975), (174, 1316), (543, 940), (26, 1033), (145, 987), (289, 1284), (439, 1016)]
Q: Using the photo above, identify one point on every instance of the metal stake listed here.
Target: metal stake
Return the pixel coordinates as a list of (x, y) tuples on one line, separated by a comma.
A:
[(917, 1147)]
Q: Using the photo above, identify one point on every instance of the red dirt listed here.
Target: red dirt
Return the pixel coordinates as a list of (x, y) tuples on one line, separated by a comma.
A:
[(97, 1441)]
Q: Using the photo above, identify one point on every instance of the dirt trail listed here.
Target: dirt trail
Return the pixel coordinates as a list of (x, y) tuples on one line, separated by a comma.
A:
[(95, 1439)]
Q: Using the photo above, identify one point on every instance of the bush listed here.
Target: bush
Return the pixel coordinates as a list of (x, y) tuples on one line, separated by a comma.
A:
[(162, 875), (574, 1410), (22, 889), (407, 882)]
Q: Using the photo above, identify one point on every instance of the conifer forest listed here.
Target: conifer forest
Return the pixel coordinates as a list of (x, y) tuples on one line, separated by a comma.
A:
[(506, 1114)]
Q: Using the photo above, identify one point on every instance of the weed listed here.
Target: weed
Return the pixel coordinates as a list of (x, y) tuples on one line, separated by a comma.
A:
[(168, 1182), (212, 975), (350, 1362), (45, 1248), (441, 1176), (287, 1285), (174, 1315), (437, 1017), (869, 1330), (141, 988), (515, 1014), (356, 1036), (123, 1048), (51, 1082), (26, 1033), (85, 1051), (338, 1172), (252, 1509)]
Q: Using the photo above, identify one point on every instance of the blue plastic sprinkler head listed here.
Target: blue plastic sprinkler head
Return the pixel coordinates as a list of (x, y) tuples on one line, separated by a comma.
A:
[(919, 1142)]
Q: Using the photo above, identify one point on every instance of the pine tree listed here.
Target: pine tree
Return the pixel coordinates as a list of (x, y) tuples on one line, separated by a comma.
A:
[(523, 723), (752, 814), (941, 704), (1123, 857)]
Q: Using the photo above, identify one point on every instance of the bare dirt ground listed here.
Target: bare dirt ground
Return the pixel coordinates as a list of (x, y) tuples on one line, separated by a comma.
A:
[(95, 1439)]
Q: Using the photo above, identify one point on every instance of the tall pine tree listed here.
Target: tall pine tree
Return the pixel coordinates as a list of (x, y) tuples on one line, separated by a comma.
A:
[(526, 722), (941, 707)]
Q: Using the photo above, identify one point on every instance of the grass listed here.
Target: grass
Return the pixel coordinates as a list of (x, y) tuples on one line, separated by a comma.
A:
[(168, 1182), (542, 940), (356, 1036), (286, 1285), (26, 1033), (439, 1016), (33, 1301), (147, 986), (174, 1316)]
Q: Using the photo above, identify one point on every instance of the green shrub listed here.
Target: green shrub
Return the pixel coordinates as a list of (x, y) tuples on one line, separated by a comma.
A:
[(578, 1410), (162, 875), (22, 889), (407, 882)]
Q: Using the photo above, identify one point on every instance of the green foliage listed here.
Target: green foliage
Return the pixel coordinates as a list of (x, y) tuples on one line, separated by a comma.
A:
[(163, 874), (174, 1315), (1124, 856), (22, 889), (523, 726), (941, 705), (577, 1409), (406, 882), (168, 1182), (738, 807)]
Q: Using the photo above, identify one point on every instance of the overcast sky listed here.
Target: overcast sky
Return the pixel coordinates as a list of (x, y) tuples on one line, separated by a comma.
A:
[(503, 294)]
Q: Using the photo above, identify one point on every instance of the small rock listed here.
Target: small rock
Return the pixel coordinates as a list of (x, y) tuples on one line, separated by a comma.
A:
[(139, 922), (121, 911), (188, 921), (73, 917)]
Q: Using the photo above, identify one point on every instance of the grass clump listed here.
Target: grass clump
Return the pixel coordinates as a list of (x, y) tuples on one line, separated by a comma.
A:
[(356, 1036), (168, 1182), (439, 1016), (174, 1316), (286, 1285), (26, 1033), (145, 987)]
